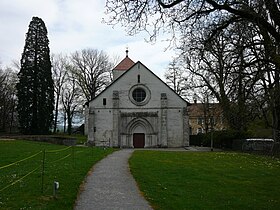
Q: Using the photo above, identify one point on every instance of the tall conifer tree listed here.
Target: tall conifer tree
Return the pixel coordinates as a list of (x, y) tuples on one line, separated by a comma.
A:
[(35, 88)]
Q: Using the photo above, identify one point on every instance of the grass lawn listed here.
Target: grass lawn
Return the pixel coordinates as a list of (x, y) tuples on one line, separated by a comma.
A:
[(207, 180), (67, 165)]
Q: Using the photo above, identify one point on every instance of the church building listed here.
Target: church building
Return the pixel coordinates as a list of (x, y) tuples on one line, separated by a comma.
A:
[(137, 110)]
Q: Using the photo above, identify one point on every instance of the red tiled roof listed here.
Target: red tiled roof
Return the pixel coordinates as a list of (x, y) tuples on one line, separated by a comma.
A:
[(125, 64)]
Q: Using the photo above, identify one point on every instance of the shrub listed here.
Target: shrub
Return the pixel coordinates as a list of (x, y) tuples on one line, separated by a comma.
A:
[(221, 139)]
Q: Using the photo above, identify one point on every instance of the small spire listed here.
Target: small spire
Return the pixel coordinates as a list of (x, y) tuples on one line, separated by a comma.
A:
[(126, 51)]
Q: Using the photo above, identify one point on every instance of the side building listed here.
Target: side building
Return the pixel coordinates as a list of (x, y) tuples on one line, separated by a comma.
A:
[(204, 117)]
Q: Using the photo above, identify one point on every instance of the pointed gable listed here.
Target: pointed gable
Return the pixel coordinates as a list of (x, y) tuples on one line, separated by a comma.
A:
[(125, 64)]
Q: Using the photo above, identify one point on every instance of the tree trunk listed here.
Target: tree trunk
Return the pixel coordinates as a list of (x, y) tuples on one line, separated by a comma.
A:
[(64, 123), (276, 108), (12, 115), (69, 122), (56, 114)]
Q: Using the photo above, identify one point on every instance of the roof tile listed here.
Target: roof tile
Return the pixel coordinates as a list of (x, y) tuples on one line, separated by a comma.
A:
[(125, 64)]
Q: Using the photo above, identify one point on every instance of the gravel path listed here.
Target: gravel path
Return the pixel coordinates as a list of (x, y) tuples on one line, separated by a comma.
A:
[(111, 186)]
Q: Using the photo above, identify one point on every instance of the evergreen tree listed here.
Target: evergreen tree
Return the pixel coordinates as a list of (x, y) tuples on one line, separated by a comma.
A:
[(35, 89)]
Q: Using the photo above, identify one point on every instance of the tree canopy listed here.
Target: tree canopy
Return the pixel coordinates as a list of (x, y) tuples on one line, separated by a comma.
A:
[(91, 68), (237, 68), (35, 89), (186, 17)]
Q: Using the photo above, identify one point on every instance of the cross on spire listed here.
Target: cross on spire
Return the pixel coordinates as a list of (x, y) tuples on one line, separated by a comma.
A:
[(126, 51)]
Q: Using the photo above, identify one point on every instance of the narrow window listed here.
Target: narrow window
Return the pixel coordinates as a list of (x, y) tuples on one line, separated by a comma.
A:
[(138, 78), (104, 101)]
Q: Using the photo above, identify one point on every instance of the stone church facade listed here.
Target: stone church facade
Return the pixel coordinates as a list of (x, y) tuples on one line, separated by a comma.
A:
[(137, 110)]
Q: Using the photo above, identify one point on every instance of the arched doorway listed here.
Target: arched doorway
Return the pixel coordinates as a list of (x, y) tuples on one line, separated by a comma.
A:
[(138, 129)]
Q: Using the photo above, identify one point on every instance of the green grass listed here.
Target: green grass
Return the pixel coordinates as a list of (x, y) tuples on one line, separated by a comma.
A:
[(188, 180), (68, 166)]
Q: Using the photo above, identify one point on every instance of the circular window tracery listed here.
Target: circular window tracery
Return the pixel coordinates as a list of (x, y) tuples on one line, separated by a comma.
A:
[(139, 94)]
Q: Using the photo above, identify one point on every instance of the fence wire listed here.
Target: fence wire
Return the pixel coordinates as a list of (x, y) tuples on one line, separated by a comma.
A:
[(13, 183), (40, 166), (58, 150), (60, 159), (11, 164)]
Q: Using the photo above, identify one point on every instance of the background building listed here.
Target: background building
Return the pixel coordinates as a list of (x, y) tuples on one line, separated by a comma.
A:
[(203, 117)]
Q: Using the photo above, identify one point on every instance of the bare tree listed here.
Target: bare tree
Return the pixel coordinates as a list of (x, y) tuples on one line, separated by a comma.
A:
[(177, 79), (60, 65), (8, 100), (71, 100), (267, 95), (91, 69), (227, 67), (185, 17)]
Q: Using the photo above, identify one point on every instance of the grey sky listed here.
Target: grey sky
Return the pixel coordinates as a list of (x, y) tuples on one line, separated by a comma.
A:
[(75, 25)]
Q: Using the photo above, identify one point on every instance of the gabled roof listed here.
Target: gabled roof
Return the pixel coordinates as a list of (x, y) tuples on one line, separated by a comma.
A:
[(138, 62), (125, 64)]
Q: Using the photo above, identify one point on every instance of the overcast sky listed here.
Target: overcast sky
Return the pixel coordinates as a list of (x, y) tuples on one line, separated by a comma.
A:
[(74, 25)]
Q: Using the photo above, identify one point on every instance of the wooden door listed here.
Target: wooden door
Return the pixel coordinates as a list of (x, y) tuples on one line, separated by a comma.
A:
[(138, 140)]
